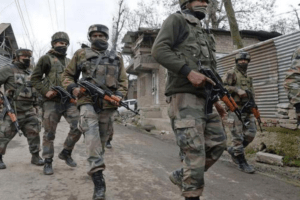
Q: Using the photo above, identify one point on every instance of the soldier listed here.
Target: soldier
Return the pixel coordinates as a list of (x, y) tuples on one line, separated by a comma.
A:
[(15, 78), (100, 67), (292, 84), (237, 82), (181, 43), (51, 67)]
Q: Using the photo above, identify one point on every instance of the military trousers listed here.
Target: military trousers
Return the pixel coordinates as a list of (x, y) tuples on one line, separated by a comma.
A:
[(52, 113), (95, 128), (111, 127), (29, 125), (200, 137), (241, 136)]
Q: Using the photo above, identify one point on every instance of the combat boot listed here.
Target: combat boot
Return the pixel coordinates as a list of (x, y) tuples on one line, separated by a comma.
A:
[(192, 198), (108, 145), (66, 156), (100, 187), (176, 177), (233, 157), (37, 160), (2, 165), (48, 166), (243, 165)]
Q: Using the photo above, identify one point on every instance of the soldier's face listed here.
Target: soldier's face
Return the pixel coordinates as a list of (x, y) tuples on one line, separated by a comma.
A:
[(201, 3), (60, 44), (243, 61), (98, 35), (23, 57)]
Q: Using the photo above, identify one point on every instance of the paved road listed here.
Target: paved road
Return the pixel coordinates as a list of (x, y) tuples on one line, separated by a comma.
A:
[(137, 169)]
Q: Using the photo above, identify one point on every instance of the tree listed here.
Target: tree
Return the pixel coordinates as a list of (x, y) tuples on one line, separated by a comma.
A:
[(234, 29), (119, 22)]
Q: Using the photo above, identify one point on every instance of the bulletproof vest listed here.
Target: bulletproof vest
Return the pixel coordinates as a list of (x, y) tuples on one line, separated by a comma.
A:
[(24, 89), (242, 82), (102, 68), (57, 68), (198, 44)]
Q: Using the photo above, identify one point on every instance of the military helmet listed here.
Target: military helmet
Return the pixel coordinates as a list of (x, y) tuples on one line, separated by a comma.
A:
[(183, 3), (98, 28), (60, 36), (242, 55), (23, 52)]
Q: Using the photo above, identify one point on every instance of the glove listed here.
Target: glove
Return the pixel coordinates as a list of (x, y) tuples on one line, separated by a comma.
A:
[(241, 93)]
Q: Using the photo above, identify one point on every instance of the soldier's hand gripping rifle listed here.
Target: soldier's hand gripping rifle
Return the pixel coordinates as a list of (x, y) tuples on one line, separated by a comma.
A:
[(96, 92), (64, 95), (7, 109), (251, 107), (218, 91)]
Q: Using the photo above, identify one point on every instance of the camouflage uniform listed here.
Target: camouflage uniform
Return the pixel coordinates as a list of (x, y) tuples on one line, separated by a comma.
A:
[(51, 67), (233, 80), (292, 83), (180, 42), (15, 78), (95, 125)]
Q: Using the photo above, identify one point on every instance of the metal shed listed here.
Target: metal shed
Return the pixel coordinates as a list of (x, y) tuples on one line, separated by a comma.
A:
[(270, 60)]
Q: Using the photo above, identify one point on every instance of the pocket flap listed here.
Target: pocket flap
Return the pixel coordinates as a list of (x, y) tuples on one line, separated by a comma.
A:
[(184, 123)]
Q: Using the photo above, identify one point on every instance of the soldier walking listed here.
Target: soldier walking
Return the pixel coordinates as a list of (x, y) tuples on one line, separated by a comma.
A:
[(180, 44), (18, 88), (237, 81), (100, 67), (51, 67)]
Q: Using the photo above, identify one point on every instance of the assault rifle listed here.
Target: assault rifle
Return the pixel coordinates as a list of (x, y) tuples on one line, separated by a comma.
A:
[(96, 92), (251, 107), (7, 109), (64, 95), (218, 91)]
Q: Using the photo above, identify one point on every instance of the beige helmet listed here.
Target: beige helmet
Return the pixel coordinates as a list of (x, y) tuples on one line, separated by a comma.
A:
[(98, 28), (242, 55), (60, 36), (183, 3)]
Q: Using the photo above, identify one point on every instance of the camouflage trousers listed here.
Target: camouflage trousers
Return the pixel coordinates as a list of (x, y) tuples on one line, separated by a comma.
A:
[(95, 128), (111, 127), (29, 125), (52, 114), (200, 137), (241, 137)]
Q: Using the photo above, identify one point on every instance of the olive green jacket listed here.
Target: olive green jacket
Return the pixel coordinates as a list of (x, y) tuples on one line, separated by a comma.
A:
[(180, 38)]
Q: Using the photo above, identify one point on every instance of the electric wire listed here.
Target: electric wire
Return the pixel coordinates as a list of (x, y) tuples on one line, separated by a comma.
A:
[(56, 14), (50, 15), (23, 23), (29, 19), (64, 14)]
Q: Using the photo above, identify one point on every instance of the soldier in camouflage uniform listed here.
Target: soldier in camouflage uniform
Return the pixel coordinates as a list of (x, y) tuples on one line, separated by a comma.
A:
[(180, 44), (100, 67), (237, 82), (18, 88), (292, 82), (51, 67)]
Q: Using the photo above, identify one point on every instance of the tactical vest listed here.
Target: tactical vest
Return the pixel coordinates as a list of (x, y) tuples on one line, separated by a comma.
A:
[(242, 82), (199, 45), (57, 68), (24, 89), (102, 68)]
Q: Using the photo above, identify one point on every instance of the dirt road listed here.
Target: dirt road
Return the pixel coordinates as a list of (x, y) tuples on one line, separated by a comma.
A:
[(137, 169)]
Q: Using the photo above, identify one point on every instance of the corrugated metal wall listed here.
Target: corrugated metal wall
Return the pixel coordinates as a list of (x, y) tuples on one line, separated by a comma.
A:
[(4, 61), (264, 71), (285, 46)]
